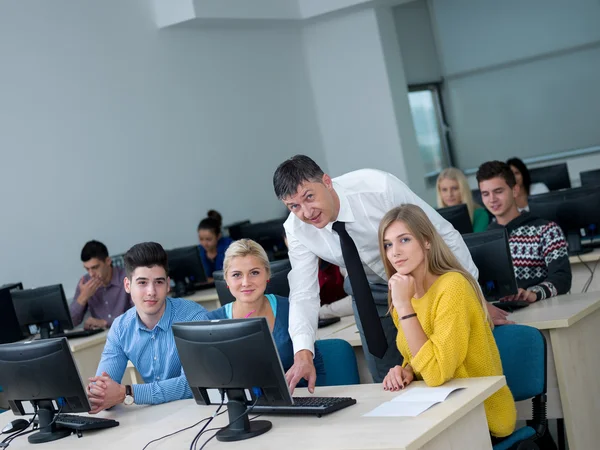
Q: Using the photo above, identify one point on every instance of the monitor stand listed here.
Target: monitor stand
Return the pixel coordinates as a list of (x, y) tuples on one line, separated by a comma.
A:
[(240, 427), (49, 431), (574, 244)]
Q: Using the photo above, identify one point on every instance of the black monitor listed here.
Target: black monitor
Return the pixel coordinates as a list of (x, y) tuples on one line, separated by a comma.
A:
[(590, 178), (10, 330), (573, 210), (491, 254), (459, 217), (186, 269), (554, 177), (45, 307), (235, 229), (476, 193), (18, 286), (43, 373), (239, 357), (269, 235)]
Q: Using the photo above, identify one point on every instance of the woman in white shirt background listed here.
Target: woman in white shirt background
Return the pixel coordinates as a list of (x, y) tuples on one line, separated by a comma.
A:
[(526, 188)]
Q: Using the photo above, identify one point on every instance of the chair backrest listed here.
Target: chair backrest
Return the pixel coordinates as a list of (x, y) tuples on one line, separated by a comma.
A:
[(523, 354), (277, 285), (340, 363)]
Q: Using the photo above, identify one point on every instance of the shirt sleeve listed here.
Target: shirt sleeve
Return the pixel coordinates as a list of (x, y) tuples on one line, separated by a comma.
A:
[(446, 349), (113, 360), (304, 295), (556, 257), (77, 310), (399, 194), (162, 391)]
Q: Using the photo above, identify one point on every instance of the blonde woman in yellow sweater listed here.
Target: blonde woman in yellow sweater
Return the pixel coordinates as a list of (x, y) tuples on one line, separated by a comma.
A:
[(444, 330)]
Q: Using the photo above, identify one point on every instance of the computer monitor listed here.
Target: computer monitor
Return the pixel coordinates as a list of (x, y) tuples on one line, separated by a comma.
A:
[(43, 373), (239, 357), (13, 286), (10, 330), (491, 254), (573, 210), (235, 229), (45, 307), (476, 193), (186, 269), (459, 217), (269, 234), (555, 177), (590, 178)]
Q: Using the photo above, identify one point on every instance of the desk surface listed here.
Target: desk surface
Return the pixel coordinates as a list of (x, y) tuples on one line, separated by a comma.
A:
[(587, 257), (328, 331), (204, 295), (345, 429), (558, 312)]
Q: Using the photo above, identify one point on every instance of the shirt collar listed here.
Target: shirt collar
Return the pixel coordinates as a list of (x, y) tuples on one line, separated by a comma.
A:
[(165, 321), (345, 214)]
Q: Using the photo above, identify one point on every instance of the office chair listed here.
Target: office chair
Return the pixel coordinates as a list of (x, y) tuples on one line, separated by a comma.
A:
[(523, 354), (277, 285), (340, 363)]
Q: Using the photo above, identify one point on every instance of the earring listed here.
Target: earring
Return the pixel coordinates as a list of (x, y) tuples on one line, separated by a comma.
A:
[(227, 286), (268, 280)]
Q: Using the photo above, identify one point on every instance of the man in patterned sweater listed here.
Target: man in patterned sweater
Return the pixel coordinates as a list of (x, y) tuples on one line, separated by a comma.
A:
[(537, 246)]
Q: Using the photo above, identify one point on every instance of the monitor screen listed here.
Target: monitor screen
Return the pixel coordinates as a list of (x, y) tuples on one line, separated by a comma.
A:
[(590, 178), (235, 356), (10, 329), (490, 251), (45, 307), (186, 269), (42, 373), (555, 177), (573, 210), (459, 217)]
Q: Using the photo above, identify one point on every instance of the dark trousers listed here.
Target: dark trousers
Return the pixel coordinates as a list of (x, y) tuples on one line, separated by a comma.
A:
[(378, 367)]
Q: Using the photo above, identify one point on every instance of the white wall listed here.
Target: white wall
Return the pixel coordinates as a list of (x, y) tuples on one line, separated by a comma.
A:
[(361, 112), (521, 77), (111, 129)]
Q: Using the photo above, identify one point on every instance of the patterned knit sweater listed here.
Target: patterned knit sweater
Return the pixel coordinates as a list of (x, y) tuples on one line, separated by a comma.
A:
[(539, 253)]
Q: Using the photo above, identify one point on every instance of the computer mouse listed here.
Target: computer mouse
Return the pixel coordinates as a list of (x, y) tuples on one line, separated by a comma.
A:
[(15, 425)]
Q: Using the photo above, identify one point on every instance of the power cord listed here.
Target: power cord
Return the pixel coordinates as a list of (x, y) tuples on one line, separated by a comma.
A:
[(210, 419), (7, 440), (591, 278), (247, 412)]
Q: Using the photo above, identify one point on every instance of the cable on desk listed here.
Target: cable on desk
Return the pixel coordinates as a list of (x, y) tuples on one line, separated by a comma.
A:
[(210, 419)]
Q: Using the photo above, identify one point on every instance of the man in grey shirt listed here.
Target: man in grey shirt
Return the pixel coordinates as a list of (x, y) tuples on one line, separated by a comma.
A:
[(101, 291)]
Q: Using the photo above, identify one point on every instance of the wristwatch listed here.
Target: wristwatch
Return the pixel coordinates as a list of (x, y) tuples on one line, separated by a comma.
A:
[(128, 395)]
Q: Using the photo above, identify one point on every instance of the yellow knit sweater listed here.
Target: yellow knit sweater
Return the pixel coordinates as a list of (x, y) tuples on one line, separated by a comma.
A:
[(460, 345)]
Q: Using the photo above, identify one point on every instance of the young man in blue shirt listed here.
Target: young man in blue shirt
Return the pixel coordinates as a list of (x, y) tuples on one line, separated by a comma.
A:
[(143, 335)]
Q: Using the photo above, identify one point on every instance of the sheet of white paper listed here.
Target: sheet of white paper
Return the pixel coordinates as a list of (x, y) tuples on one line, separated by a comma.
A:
[(425, 394), (396, 409)]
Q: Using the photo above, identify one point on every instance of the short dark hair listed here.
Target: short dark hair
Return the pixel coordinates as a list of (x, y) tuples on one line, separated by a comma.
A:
[(493, 169), (293, 172), (145, 254), (212, 222), (94, 249), (521, 167)]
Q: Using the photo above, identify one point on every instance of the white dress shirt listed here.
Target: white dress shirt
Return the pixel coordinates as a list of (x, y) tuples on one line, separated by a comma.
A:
[(365, 197)]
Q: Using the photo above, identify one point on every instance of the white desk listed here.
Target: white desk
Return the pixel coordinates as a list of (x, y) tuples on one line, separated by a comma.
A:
[(571, 325), (326, 332), (458, 423), (581, 273), (206, 297)]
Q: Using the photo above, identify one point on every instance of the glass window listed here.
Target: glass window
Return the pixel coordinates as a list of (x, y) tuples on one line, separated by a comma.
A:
[(427, 116)]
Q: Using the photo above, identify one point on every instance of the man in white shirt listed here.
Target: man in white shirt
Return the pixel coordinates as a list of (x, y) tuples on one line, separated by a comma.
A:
[(360, 199)]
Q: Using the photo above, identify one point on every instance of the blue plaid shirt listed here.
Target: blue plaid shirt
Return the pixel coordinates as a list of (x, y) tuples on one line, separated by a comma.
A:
[(152, 352)]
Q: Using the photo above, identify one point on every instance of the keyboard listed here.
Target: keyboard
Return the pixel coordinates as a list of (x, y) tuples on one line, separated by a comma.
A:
[(328, 321), (77, 333), (308, 405), (84, 423), (512, 306)]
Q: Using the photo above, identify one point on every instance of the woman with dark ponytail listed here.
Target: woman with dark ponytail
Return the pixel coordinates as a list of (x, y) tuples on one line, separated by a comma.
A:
[(212, 243)]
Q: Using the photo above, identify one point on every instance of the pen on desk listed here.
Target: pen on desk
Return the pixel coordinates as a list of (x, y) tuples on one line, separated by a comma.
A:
[(249, 314)]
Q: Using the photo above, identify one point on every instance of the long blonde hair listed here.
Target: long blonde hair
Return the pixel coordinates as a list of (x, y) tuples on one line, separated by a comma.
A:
[(466, 197), (439, 257)]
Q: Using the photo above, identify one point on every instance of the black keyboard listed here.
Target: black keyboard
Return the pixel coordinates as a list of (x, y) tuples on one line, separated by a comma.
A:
[(512, 306), (84, 423), (328, 321), (308, 405), (77, 333)]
